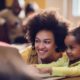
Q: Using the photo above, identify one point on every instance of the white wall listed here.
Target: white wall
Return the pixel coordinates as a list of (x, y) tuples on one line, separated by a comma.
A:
[(58, 4)]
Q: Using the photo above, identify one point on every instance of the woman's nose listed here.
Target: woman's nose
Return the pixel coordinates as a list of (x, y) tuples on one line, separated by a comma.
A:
[(41, 46)]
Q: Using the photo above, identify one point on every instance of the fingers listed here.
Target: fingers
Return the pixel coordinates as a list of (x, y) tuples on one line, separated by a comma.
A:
[(45, 70)]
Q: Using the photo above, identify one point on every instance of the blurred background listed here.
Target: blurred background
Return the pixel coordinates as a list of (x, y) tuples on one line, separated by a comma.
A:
[(14, 13), (69, 8)]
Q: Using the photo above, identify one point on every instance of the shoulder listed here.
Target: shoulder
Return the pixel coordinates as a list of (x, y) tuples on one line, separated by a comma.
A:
[(28, 54), (27, 50)]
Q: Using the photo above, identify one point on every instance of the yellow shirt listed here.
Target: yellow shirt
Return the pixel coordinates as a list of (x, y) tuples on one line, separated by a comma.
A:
[(72, 70), (30, 57)]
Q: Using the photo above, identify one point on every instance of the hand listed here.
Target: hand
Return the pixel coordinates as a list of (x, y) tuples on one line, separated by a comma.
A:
[(33, 72), (45, 70)]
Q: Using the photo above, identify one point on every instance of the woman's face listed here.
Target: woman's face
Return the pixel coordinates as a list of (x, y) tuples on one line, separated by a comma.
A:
[(73, 48), (44, 44)]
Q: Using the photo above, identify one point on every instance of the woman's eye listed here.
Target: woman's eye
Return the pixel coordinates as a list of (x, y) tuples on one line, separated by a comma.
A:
[(36, 41), (47, 42)]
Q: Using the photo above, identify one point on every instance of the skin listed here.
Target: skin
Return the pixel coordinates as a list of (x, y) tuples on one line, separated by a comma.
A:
[(73, 48), (45, 46)]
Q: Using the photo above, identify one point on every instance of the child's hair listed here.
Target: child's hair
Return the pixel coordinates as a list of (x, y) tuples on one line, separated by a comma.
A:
[(76, 34)]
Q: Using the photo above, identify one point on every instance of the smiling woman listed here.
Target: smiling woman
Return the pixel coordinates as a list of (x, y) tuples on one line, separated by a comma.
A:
[(46, 33)]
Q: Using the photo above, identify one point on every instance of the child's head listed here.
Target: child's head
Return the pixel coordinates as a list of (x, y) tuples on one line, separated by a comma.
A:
[(72, 42)]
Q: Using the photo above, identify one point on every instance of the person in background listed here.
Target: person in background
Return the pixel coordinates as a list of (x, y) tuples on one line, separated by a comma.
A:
[(47, 31), (15, 31), (31, 8), (15, 8), (12, 30), (72, 42)]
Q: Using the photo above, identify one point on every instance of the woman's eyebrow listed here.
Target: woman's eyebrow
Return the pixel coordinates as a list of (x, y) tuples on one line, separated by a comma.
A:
[(44, 38), (48, 39)]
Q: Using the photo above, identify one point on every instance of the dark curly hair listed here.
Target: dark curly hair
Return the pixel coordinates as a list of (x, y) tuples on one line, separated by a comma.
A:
[(76, 33), (51, 21)]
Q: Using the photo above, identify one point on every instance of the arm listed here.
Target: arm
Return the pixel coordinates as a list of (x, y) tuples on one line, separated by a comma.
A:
[(66, 71), (64, 61), (61, 71)]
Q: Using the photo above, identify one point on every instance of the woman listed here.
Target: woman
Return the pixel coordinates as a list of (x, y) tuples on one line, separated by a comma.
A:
[(47, 32)]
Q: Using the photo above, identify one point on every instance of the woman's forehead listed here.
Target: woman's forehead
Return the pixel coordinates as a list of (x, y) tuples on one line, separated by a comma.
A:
[(45, 35)]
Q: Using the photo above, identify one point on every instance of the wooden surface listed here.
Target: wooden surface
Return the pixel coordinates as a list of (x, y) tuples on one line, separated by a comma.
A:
[(62, 78), (49, 77)]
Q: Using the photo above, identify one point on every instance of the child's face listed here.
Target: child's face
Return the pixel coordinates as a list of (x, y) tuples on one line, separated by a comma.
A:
[(73, 48)]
